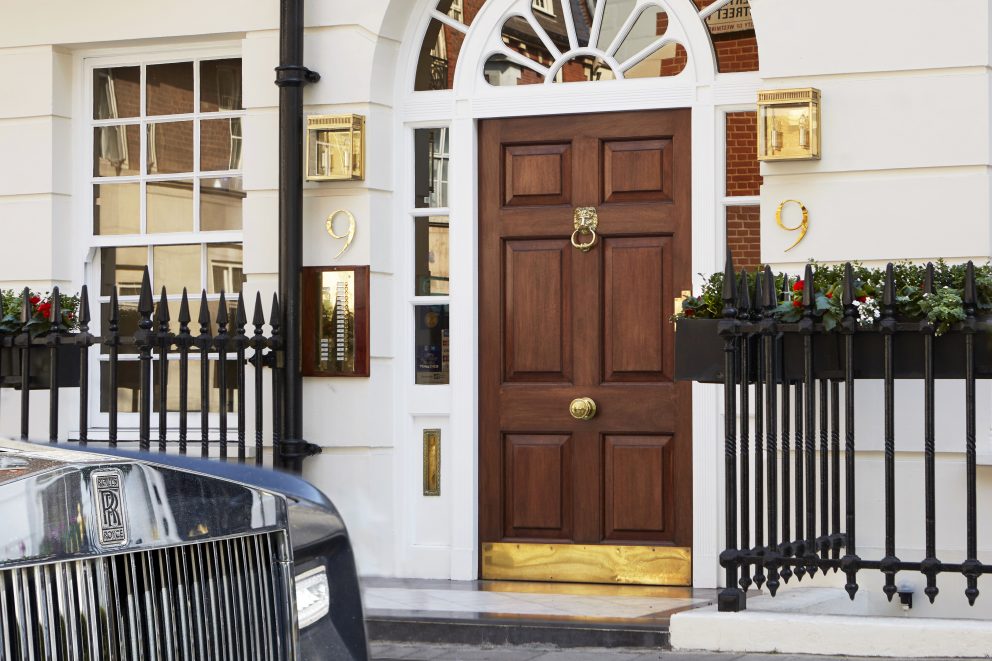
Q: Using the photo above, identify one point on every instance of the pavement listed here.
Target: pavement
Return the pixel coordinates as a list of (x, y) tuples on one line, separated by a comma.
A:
[(420, 652)]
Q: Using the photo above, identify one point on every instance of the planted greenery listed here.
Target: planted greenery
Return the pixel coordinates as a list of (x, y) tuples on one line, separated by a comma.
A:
[(943, 307), (40, 313)]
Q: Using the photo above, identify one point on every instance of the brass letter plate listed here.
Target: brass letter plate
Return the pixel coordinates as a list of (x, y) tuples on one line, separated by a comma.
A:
[(432, 462)]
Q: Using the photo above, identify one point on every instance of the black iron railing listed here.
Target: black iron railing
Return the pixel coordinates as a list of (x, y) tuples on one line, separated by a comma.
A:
[(32, 362), (801, 495)]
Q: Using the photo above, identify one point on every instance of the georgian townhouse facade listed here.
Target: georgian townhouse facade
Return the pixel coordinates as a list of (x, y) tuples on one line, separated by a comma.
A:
[(143, 135)]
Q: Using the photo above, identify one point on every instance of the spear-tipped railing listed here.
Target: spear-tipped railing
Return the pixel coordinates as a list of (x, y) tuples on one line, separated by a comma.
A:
[(791, 509), (221, 346)]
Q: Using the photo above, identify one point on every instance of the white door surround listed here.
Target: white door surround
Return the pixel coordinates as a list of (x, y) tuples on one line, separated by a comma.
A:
[(454, 408)]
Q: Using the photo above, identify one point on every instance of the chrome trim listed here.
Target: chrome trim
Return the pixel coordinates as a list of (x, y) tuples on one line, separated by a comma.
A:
[(148, 605)]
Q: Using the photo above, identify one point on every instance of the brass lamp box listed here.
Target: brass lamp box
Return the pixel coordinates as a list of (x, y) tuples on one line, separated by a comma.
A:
[(789, 125), (336, 321), (335, 148)]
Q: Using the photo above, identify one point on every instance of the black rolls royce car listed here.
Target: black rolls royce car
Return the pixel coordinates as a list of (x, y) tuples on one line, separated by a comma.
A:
[(109, 554)]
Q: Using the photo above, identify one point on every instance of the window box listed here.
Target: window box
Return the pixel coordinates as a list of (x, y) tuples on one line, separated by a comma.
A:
[(699, 354), (40, 358)]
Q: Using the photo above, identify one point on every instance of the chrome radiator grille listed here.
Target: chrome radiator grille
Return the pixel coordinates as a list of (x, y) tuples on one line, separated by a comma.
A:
[(222, 599)]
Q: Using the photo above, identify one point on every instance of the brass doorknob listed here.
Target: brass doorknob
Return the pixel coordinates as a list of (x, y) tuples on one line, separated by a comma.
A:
[(582, 408)]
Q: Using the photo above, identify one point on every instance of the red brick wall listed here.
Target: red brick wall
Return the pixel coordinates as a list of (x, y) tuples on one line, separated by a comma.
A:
[(743, 173), (744, 236)]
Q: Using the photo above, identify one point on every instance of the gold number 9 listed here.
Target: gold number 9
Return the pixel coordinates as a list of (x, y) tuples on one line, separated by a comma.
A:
[(349, 237), (802, 227)]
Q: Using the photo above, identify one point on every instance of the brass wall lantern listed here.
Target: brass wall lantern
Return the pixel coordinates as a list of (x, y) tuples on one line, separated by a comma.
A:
[(336, 148), (789, 125)]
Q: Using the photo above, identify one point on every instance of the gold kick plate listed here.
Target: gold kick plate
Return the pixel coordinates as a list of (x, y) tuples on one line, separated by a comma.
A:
[(581, 563)]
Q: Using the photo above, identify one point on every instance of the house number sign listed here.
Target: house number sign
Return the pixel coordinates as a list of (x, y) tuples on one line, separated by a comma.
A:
[(347, 237), (803, 225)]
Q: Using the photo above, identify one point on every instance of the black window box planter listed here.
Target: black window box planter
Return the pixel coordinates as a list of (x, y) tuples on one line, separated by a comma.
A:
[(699, 352), (40, 373)]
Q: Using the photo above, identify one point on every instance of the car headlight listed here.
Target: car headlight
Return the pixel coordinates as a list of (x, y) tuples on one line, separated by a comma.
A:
[(313, 596)]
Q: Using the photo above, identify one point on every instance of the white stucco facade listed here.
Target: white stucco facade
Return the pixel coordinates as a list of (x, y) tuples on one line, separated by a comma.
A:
[(906, 173)]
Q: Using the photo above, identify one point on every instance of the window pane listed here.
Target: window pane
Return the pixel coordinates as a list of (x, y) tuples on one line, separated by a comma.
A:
[(170, 147), (501, 71), (169, 88), (127, 325), (225, 270), (221, 200), (116, 209), (116, 92), (116, 151), (169, 206), (128, 382), (438, 57), (431, 168), (431, 337), (431, 255), (122, 267), (193, 391), (220, 85), (220, 144), (175, 267)]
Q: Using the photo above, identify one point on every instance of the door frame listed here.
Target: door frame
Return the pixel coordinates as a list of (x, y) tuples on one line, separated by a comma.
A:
[(441, 539)]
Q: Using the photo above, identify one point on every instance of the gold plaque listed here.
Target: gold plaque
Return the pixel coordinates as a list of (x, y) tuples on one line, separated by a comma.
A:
[(588, 563), (432, 462)]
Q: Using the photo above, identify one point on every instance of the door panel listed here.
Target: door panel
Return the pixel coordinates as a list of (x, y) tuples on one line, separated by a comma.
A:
[(537, 311), (538, 486), (557, 324), (639, 502), (637, 171), (537, 174), (635, 328)]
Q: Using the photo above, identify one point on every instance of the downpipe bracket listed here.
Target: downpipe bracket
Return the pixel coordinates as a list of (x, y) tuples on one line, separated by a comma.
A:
[(295, 75)]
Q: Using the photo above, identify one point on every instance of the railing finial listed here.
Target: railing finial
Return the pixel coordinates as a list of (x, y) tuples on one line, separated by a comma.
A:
[(744, 295), (55, 313), (928, 279), (258, 319), (729, 287), (808, 299), (770, 293), (184, 316), (204, 314), (84, 310), (970, 290), (889, 291), (162, 311), (145, 304)]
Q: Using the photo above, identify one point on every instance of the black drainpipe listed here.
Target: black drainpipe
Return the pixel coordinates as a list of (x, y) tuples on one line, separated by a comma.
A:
[(291, 76)]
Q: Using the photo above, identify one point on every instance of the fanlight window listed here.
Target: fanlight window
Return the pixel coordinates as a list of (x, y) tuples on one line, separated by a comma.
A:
[(558, 41)]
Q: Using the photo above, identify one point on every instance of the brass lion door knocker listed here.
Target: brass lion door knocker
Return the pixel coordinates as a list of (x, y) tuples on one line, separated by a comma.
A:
[(586, 222)]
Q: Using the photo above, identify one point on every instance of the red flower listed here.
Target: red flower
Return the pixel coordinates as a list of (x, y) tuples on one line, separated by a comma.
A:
[(689, 313), (45, 309), (35, 300), (798, 286), (830, 294), (797, 303), (862, 299)]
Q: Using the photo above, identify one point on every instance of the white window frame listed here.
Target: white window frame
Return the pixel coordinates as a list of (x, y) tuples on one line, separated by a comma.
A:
[(88, 244)]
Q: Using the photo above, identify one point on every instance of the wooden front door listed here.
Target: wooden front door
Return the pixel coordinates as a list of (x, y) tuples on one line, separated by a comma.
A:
[(606, 499)]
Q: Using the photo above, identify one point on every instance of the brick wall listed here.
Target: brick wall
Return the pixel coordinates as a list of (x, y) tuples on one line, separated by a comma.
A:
[(743, 173), (744, 236)]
